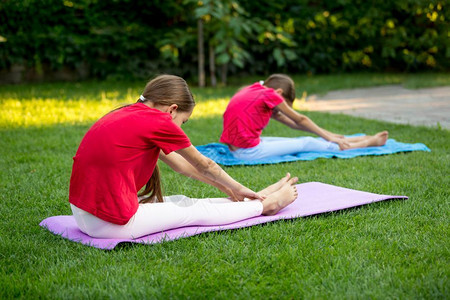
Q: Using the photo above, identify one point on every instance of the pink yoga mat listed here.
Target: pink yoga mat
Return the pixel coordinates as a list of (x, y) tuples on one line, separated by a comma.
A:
[(313, 198)]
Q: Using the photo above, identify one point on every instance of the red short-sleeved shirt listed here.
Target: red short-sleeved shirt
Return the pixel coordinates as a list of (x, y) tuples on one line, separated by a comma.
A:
[(247, 114), (117, 157)]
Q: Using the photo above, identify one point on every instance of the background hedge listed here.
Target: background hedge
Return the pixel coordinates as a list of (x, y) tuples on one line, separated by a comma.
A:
[(135, 39)]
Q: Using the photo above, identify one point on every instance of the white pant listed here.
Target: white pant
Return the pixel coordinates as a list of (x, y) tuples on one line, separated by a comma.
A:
[(276, 146), (175, 211)]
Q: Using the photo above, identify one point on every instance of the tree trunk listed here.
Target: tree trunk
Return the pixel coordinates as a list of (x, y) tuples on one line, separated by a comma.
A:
[(201, 54), (212, 65), (223, 74)]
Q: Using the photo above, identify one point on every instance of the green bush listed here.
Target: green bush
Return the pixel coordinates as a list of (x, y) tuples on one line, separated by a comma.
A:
[(109, 38), (125, 38), (404, 35)]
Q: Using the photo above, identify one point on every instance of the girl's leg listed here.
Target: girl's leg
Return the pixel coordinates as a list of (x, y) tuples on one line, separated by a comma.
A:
[(181, 198), (364, 137), (157, 217), (270, 146), (357, 138), (369, 140)]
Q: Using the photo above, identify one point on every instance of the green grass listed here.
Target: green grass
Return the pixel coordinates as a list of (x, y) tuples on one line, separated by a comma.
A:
[(393, 249)]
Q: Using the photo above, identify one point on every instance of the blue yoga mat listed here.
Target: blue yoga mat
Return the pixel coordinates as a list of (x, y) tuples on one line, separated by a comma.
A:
[(222, 155)]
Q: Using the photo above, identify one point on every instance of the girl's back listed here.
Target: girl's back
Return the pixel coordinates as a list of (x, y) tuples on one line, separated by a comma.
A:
[(247, 114)]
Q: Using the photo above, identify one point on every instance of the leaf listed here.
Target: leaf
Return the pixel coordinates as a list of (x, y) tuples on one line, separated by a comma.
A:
[(237, 61), (290, 54), (247, 29), (222, 59), (221, 48), (278, 55), (201, 12)]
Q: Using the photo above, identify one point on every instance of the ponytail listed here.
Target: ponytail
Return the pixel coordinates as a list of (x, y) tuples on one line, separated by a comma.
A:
[(152, 191)]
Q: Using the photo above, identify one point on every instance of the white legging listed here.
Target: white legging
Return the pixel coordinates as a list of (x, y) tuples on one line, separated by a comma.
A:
[(175, 211), (276, 146)]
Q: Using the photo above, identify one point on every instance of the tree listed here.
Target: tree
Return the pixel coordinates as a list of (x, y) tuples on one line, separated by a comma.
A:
[(201, 54), (226, 29)]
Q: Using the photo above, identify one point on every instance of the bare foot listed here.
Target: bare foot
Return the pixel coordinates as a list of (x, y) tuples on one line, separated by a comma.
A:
[(380, 138), (293, 180), (274, 187), (279, 199)]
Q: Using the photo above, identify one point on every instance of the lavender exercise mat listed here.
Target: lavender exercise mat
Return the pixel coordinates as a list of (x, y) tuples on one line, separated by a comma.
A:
[(314, 198)]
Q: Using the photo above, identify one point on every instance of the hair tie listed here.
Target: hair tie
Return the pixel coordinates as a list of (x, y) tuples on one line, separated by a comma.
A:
[(261, 82), (142, 98)]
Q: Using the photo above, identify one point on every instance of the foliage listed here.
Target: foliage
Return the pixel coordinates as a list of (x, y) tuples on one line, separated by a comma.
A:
[(352, 35), (109, 38), (131, 38)]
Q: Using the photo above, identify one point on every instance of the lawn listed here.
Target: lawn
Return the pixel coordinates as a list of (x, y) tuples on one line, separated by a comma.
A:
[(392, 249)]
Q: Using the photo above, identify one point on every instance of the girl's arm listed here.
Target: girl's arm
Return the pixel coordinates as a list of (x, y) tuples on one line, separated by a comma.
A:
[(180, 165), (340, 136), (280, 117), (208, 171), (286, 115)]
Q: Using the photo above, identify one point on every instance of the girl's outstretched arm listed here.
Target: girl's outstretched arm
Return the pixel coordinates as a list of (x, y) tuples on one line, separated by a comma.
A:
[(288, 116), (215, 175), (180, 165), (340, 136)]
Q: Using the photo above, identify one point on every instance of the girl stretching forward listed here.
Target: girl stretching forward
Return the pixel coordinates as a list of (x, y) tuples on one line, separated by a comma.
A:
[(250, 110), (118, 156)]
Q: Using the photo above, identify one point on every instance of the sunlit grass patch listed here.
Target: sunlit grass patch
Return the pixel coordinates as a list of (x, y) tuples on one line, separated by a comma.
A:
[(38, 105), (61, 103), (42, 112), (73, 103), (210, 108), (39, 112)]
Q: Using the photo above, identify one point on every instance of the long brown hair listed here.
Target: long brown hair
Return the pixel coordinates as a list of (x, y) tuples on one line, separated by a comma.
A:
[(164, 90), (284, 82)]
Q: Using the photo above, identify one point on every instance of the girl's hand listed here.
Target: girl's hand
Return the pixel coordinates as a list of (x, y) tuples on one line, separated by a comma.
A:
[(342, 142), (344, 145), (244, 193)]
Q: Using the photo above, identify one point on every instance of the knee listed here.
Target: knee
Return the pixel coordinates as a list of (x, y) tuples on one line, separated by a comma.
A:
[(308, 140)]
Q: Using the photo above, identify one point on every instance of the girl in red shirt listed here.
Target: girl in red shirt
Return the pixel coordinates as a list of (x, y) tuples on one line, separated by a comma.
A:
[(117, 157), (250, 110)]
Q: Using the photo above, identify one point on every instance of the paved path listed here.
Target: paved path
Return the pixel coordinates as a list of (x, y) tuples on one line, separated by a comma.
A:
[(393, 103)]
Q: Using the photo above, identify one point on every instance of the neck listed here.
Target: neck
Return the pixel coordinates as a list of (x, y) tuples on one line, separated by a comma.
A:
[(157, 106), (149, 104)]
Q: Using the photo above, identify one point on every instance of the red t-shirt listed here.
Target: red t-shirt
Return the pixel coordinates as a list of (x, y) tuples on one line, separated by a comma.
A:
[(247, 114), (117, 157)]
